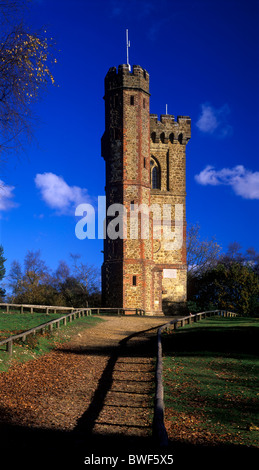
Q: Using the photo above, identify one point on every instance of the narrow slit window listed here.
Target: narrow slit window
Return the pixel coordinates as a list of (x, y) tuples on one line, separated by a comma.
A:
[(132, 100), (155, 176), (134, 280), (144, 103), (167, 172), (116, 133)]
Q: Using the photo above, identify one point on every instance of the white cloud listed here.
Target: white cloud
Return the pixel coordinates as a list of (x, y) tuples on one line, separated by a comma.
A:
[(58, 195), (244, 183), (6, 197), (214, 121)]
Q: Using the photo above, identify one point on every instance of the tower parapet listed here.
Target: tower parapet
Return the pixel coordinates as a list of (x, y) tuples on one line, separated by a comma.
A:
[(167, 129), (123, 78)]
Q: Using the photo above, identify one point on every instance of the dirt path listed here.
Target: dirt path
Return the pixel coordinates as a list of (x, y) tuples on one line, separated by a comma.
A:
[(93, 390)]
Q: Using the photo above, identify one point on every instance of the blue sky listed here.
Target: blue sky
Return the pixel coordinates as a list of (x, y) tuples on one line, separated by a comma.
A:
[(202, 57)]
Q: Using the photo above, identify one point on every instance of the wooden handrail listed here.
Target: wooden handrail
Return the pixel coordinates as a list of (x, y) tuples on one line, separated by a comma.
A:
[(70, 316), (55, 308), (159, 430), (49, 324)]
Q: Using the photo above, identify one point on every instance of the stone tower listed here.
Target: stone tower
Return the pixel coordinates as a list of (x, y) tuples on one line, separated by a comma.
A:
[(145, 165)]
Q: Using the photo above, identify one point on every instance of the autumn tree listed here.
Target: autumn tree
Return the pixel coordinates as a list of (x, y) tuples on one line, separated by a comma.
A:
[(201, 254), (33, 283), (25, 56), (71, 286), (78, 285)]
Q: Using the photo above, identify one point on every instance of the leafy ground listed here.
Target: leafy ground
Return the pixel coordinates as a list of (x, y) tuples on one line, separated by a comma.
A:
[(92, 394), (14, 323), (211, 382)]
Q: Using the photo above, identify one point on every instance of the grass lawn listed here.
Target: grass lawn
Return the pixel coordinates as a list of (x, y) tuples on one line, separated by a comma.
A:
[(16, 322), (41, 343), (211, 382)]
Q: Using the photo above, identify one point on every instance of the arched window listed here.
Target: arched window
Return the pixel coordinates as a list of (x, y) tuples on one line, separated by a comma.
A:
[(153, 137), (155, 174), (171, 138), (162, 137), (180, 138)]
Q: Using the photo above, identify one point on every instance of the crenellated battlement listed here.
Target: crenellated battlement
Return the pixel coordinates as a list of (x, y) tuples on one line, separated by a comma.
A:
[(167, 129), (138, 78)]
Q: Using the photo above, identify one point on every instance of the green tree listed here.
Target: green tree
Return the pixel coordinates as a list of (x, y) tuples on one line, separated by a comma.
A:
[(236, 284), (232, 287), (230, 281), (2, 271), (15, 279)]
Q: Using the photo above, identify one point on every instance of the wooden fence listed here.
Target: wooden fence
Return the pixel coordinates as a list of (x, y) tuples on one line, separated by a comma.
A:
[(35, 308), (118, 311), (159, 430), (43, 327), (74, 313)]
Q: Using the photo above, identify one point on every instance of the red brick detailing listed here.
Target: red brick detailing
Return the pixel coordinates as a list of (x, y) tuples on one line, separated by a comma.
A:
[(125, 144)]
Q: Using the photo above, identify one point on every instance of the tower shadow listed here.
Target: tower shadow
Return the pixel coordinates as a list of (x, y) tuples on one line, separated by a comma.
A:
[(66, 450), (83, 432)]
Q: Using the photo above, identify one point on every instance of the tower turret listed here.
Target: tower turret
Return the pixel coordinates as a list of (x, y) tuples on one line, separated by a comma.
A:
[(126, 150)]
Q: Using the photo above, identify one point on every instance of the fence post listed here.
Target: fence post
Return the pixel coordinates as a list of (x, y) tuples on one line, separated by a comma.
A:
[(9, 347), (21, 308)]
